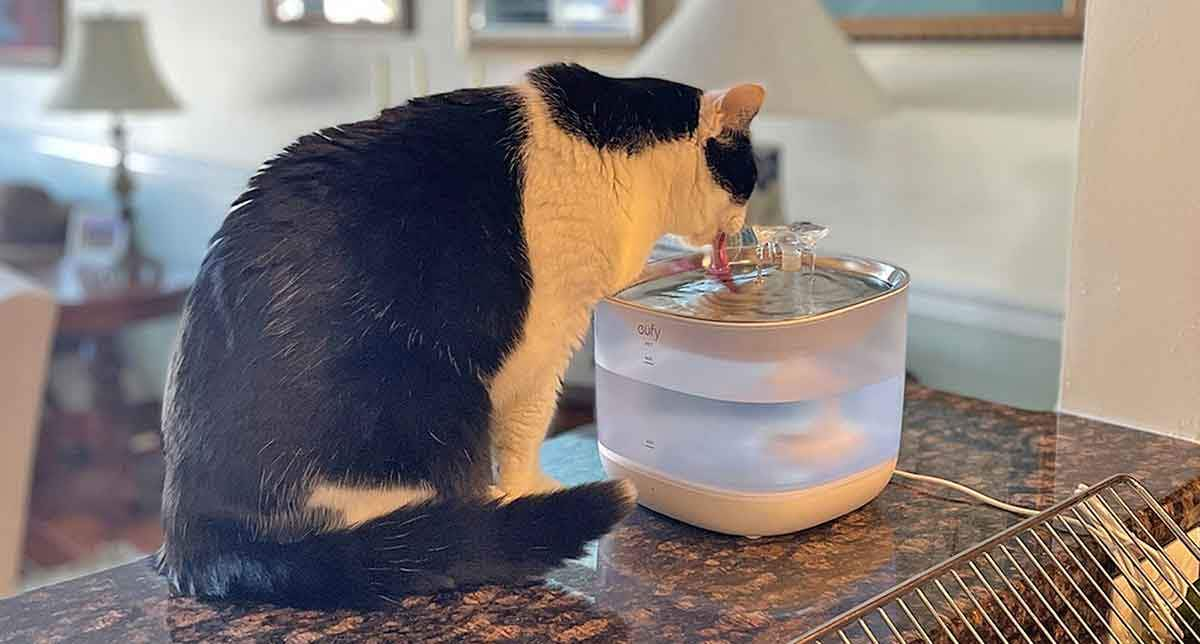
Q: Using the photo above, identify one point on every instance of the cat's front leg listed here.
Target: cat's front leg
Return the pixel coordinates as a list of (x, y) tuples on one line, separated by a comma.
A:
[(517, 433)]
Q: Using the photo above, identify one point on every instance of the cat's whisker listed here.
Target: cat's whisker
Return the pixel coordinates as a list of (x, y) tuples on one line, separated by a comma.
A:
[(264, 447), (409, 521), (312, 366), (385, 309), (390, 601), (268, 473), (436, 438), (283, 476)]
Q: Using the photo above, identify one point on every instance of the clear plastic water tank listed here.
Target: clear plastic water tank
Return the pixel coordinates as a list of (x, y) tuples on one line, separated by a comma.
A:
[(762, 401)]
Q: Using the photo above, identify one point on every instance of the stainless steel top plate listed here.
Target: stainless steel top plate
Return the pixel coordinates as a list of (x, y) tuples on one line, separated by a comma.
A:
[(680, 286)]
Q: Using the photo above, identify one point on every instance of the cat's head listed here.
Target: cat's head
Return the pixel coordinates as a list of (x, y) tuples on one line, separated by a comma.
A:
[(725, 169), (692, 147)]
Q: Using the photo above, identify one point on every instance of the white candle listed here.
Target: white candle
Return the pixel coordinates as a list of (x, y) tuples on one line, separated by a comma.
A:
[(478, 73), (420, 78), (383, 81)]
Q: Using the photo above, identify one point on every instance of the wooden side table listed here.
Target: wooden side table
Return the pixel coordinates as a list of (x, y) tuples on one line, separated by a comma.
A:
[(103, 461), (94, 311)]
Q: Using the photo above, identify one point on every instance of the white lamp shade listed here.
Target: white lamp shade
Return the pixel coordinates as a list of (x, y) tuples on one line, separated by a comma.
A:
[(111, 69), (792, 47)]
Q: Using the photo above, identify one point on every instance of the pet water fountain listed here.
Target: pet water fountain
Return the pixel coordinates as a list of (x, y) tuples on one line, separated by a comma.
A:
[(756, 391)]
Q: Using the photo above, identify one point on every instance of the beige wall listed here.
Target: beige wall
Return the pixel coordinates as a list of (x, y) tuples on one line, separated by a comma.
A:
[(1132, 341)]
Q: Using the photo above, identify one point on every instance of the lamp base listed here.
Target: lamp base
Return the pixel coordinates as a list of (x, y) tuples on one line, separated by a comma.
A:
[(139, 269)]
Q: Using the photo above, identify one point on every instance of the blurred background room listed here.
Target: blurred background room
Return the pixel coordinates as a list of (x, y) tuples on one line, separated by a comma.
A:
[(936, 134)]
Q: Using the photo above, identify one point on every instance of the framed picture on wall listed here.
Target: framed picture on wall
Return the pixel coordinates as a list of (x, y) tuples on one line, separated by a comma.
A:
[(343, 14), (955, 19), (31, 32), (550, 23)]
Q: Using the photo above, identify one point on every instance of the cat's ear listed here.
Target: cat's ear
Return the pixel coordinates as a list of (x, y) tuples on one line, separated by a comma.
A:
[(738, 105)]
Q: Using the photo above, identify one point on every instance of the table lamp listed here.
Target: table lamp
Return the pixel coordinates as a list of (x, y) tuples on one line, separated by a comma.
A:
[(792, 47), (111, 70)]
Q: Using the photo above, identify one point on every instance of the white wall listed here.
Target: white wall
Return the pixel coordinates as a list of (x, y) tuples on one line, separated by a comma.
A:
[(248, 89), (967, 184), (1133, 326)]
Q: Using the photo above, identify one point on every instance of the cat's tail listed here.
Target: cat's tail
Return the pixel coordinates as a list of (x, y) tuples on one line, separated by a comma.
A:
[(436, 545)]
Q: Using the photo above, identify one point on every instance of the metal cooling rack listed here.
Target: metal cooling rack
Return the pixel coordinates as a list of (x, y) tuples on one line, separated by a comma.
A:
[(1089, 569)]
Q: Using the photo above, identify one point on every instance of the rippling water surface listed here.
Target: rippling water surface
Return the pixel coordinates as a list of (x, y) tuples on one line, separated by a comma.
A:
[(778, 295)]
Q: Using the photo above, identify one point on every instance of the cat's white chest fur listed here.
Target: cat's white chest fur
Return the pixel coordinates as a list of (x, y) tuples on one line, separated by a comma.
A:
[(572, 223), (590, 219)]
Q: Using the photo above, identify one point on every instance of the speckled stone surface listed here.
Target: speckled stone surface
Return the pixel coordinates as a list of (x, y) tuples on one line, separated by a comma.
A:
[(657, 580)]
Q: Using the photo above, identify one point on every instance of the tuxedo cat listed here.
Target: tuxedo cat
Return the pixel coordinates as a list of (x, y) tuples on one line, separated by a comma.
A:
[(370, 356)]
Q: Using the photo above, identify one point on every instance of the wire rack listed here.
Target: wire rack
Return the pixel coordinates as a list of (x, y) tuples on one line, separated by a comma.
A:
[(1107, 565)]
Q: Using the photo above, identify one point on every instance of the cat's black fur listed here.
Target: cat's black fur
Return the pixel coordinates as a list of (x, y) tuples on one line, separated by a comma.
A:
[(617, 113), (731, 160), (632, 113), (344, 323)]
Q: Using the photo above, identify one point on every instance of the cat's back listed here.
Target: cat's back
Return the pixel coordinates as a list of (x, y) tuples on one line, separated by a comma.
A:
[(410, 220), (431, 149), (440, 174)]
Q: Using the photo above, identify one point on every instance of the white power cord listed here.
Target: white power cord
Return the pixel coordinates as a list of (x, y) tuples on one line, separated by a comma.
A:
[(978, 496)]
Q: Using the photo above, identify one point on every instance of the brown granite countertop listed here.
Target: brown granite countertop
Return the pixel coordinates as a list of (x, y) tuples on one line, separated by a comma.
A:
[(657, 580)]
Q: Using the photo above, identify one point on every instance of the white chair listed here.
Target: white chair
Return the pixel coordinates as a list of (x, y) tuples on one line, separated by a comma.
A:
[(27, 316)]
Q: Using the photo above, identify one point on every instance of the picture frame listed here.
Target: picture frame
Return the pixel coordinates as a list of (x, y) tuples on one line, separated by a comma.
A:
[(946, 19), (550, 23), (395, 15), (96, 235), (32, 32)]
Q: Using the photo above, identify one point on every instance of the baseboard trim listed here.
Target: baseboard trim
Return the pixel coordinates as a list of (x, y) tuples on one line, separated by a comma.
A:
[(984, 312), (1127, 425)]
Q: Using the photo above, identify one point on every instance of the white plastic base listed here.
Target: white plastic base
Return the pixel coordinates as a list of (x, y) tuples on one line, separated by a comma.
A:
[(749, 514)]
